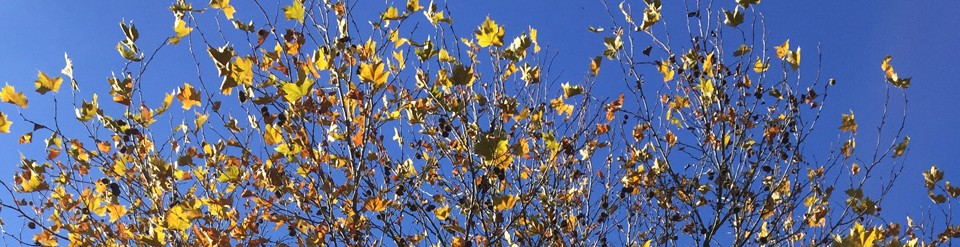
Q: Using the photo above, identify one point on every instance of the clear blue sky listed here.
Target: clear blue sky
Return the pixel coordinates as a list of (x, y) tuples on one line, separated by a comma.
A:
[(921, 36)]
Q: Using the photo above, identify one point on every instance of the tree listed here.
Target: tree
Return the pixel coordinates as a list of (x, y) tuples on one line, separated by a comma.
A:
[(485, 147)]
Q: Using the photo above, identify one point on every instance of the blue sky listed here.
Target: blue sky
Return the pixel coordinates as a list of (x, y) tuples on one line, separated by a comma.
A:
[(922, 38)]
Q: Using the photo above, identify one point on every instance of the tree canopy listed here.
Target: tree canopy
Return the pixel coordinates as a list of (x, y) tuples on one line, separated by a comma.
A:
[(313, 123)]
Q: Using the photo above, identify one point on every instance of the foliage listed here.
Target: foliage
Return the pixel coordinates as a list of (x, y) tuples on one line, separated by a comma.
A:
[(485, 148)]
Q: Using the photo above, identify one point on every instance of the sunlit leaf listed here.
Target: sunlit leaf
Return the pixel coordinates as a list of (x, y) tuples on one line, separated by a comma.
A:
[(179, 217), (4, 123), (224, 5), (88, 109), (742, 50), (571, 90), (664, 68), (390, 14), (651, 15), (901, 147), (413, 5), (746, 3), (442, 213), (595, 66), (760, 66), (295, 11), (505, 202), (783, 49), (932, 177), (10, 95), (373, 73), (891, 75), (180, 30), (46, 84), (188, 96), (489, 33), (848, 123), (734, 18), (375, 204)]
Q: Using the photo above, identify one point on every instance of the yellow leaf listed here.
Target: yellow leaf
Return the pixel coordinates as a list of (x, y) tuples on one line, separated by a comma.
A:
[(595, 65), (293, 92), (294, 12), (34, 183), (181, 29), (664, 68), (321, 59), (708, 64), (533, 38), (188, 96), (561, 107), (401, 61), (442, 213), (241, 72), (783, 49), (892, 76), (119, 167), (224, 5), (10, 95), (901, 147), (229, 174), (46, 84), (4, 123), (26, 138), (390, 14), (288, 149), (88, 109), (413, 5), (760, 66), (501, 203), (45, 238), (489, 34), (178, 217), (115, 211), (848, 123), (375, 204), (373, 73), (445, 56), (793, 58), (272, 136)]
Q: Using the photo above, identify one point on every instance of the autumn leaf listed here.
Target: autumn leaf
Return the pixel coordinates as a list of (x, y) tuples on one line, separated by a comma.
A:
[(891, 75), (651, 15), (664, 68), (272, 135), (294, 11), (506, 202), (413, 5), (595, 66), (442, 213), (734, 18), (188, 96), (489, 34), (848, 123), (793, 58), (783, 49), (10, 95), (293, 91), (224, 5), (4, 123), (390, 14), (88, 109), (571, 90), (901, 147), (760, 66), (932, 177), (46, 84), (375, 204), (179, 216), (115, 211), (180, 30), (373, 73)]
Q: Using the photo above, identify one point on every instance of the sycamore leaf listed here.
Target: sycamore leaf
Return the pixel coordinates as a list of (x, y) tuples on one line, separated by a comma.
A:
[(489, 33), (241, 72), (188, 96), (413, 5), (373, 73), (613, 45), (891, 75), (229, 174), (595, 66), (561, 107), (178, 217), (321, 59), (88, 110), (294, 11), (180, 30), (783, 49), (221, 58), (288, 149), (651, 15), (272, 135), (746, 3), (848, 123), (46, 84), (664, 68), (390, 14), (760, 66), (734, 18), (501, 203), (793, 58), (742, 50), (45, 238), (34, 182), (4, 123), (115, 211), (375, 204), (571, 90), (442, 213), (932, 177), (901, 147), (293, 91), (224, 5), (10, 95)]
